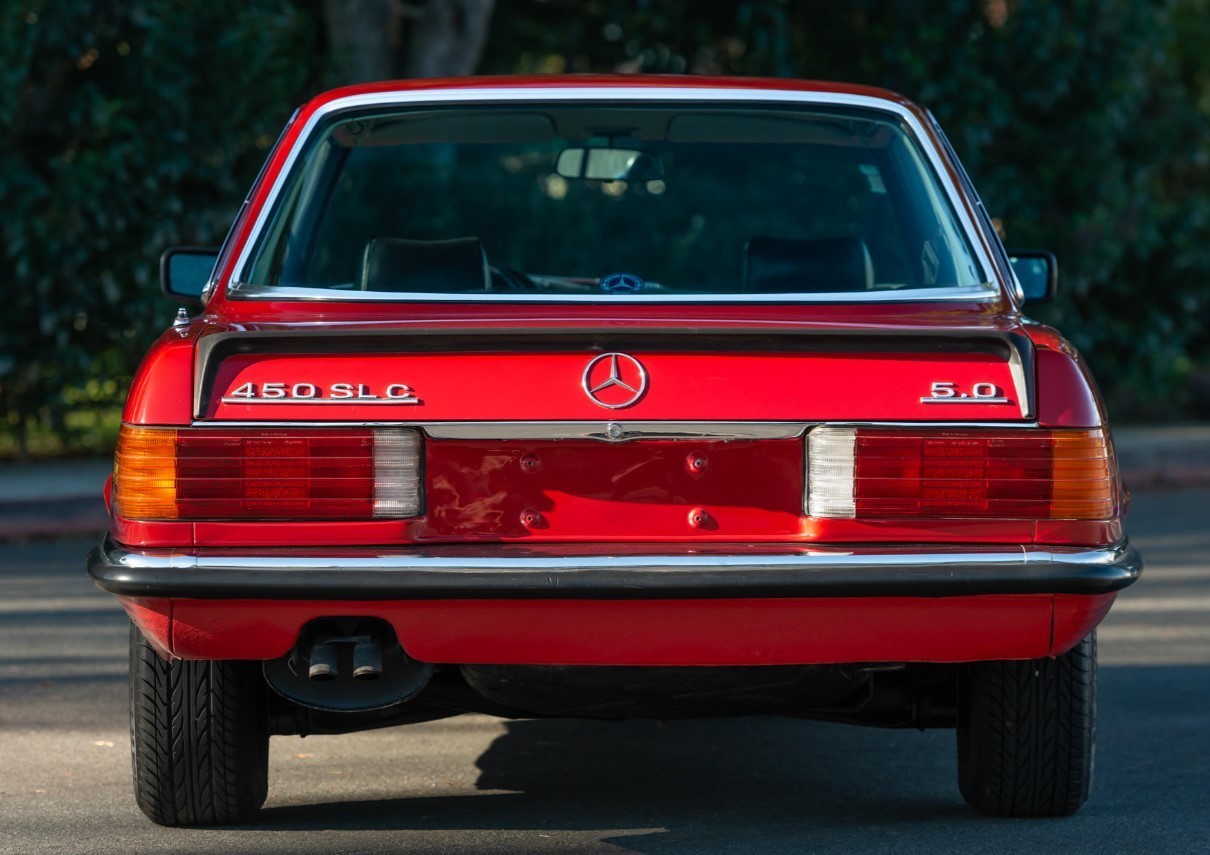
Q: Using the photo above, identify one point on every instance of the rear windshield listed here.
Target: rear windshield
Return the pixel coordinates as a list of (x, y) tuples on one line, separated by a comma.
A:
[(593, 202)]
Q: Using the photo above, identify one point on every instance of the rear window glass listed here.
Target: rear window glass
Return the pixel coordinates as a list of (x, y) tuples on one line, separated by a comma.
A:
[(597, 202)]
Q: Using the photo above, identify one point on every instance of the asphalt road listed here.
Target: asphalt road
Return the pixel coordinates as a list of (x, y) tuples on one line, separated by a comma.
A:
[(477, 784)]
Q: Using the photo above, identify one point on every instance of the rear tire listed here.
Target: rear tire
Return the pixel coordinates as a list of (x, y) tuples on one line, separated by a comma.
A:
[(199, 738), (1026, 733)]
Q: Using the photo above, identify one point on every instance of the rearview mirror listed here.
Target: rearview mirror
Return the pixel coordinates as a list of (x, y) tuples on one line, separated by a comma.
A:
[(184, 272), (1038, 273), (609, 164)]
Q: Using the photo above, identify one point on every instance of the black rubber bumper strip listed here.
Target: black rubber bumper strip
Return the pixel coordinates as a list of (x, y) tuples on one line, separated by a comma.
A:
[(627, 573)]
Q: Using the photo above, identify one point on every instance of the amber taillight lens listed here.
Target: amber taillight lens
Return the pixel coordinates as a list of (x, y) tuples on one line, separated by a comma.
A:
[(287, 474), (876, 473)]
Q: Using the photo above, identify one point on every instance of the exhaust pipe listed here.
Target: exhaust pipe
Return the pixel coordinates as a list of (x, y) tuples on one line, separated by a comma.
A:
[(324, 662), (347, 664), (367, 660)]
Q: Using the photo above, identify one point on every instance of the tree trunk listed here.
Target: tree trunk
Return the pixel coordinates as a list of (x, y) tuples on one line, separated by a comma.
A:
[(446, 37), (359, 45), (367, 39)]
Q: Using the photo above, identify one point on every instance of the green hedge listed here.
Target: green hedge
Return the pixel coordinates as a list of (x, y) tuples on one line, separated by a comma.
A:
[(128, 127)]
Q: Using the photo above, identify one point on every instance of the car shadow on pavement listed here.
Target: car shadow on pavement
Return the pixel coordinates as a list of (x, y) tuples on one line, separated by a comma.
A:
[(561, 775), (775, 784)]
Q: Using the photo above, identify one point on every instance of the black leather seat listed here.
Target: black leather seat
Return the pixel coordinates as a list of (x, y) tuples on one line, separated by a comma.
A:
[(443, 266), (781, 266)]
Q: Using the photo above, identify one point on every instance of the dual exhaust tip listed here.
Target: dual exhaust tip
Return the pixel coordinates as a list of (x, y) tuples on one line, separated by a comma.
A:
[(347, 664), (324, 662)]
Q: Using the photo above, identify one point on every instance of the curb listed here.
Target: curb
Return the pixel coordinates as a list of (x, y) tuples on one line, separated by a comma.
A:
[(43, 519), (1173, 477), (1169, 457)]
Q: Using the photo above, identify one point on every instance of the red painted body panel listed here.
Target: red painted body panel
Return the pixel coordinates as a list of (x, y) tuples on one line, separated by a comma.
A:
[(683, 386), (1066, 394), (148, 534), (153, 617), (136, 533), (657, 632), (598, 492), (162, 390)]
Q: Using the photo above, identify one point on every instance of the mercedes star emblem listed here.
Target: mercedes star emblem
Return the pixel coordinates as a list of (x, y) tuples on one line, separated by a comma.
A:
[(614, 380), (622, 283)]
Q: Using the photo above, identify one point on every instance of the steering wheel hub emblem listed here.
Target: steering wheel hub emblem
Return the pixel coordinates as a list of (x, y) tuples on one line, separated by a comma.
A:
[(614, 380)]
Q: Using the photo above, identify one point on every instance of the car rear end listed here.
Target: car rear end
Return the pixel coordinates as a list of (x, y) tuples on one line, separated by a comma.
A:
[(776, 503), (842, 481)]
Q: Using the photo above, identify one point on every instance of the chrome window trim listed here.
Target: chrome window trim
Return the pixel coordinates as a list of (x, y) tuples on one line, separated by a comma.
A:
[(616, 94), (909, 295), (607, 431)]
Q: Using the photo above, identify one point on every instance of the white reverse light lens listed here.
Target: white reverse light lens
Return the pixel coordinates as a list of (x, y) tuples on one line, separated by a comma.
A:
[(396, 473), (830, 472)]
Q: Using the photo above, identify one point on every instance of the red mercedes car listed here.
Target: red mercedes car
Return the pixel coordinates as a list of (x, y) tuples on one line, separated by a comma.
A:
[(612, 397)]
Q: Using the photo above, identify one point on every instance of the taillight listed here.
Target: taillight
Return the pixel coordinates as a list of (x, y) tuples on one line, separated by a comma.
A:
[(287, 474), (879, 473)]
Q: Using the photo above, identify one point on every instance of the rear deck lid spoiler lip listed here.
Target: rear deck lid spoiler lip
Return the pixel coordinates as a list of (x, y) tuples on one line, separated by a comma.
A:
[(212, 349)]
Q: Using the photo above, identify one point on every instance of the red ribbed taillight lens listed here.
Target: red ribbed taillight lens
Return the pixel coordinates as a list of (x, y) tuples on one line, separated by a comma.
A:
[(876, 473), (287, 474)]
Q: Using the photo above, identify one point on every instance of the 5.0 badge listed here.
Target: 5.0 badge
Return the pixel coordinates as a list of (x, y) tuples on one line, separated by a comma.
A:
[(945, 392)]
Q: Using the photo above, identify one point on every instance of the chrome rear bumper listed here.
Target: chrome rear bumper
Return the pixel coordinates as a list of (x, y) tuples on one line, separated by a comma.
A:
[(611, 571)]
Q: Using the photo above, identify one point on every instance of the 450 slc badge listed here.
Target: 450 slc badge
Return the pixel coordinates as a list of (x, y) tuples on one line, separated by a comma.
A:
[(313, 393)]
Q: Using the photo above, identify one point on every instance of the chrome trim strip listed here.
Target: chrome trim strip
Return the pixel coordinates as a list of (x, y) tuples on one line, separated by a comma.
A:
[(997, 400), (1025, 388), (473, 559), (608, 431), (617, 431), (614, 571), (907, 295), (618, 94), (937, 424)]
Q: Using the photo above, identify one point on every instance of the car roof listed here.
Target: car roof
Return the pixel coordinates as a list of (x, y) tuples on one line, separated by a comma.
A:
[(529, 83)]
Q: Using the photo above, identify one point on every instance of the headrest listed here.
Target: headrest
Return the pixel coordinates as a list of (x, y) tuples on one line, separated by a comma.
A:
[(776, 265), (446, 266)]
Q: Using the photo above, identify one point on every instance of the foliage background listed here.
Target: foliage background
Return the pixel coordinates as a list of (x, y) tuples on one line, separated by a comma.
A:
[(128, 127)]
